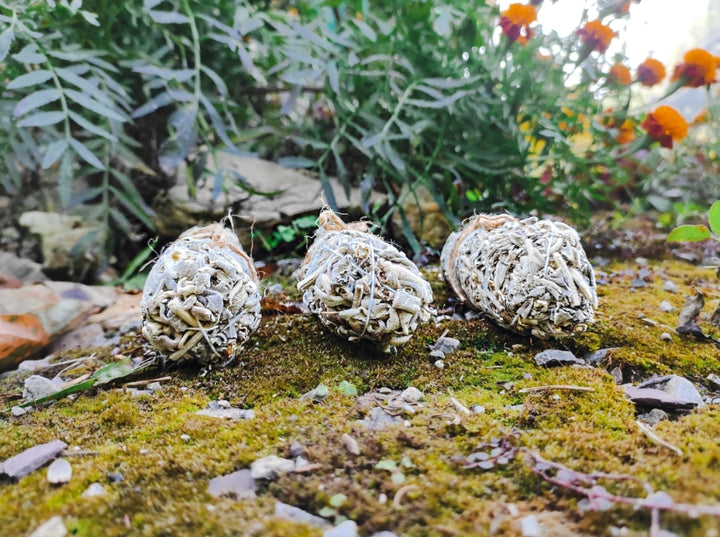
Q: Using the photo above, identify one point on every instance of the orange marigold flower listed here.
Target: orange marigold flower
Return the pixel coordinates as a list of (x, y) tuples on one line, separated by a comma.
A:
[(619, 74), (697, 69), (702, 117), (665, 125), (650, 72), (515, 22), (596, 35)]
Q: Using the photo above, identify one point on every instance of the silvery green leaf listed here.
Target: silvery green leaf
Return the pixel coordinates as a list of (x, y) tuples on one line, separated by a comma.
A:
[(149, 4), (451, 82), (217, 80), (93, 105), (32, 78), (29, 54), (6, 39), (91, 18), (333, 77), (216, 120), (181, 75), (296, 162), (85, 85), (440, 103), (120, 219), (85, 154), (91, 127), (168, 17), (54, 151), (160, 100), (65, 178), (36, 100), (393, 156), (180, 95), (250, 25), (366, 30), (42, 119)]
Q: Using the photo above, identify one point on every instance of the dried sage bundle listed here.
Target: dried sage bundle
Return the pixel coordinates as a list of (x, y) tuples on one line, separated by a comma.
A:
[(531, 276), (361, 287), (201, 298)]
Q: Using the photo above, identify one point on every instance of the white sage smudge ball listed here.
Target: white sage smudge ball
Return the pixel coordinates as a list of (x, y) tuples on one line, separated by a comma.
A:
[(361, 287), (201, 299), (530, 276)]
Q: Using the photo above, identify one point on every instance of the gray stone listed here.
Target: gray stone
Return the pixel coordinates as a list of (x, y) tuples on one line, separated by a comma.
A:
[(666, 306), (556, 357), (377, 419), (94, 490), (654, 398), (228, 413), (384, 534), (59, 472), (594, 358), (31, 459), (670, 286), (54, 527), (297, 194), (270, 467), (653, 417), (296, 449), (58, 234), (446, 345), (714, 380), (530, 526), (666, 336), (37, 387), (683, 389), (18, 411), (238, 485), (411, 395), (289, 512), (345, 529), (25, 270)]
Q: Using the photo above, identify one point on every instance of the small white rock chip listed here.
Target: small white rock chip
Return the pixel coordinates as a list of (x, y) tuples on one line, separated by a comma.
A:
[(666, 336), (238, 485), (185, 437), (18, 411), (350, 444), (59, 472), (666, 306), (53, 527), (270, 467), (530, 526), (290, 512), (96, 489), (670, 286), (228, 413), (346, 529), (411, 395)]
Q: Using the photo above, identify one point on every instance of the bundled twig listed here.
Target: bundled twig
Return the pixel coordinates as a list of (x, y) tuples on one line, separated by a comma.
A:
[(530, 276), (201, 298), (360, 286)]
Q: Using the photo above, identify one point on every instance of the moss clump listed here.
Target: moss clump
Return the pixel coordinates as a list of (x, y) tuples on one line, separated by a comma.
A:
[(166, 454)]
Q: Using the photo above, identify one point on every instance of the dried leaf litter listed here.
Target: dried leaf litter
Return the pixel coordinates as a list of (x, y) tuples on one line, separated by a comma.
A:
[(530, 276), (201, 298), (360, 286)]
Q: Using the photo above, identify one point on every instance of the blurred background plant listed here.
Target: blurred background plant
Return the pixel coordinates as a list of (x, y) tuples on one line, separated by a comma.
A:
[(476, 105)]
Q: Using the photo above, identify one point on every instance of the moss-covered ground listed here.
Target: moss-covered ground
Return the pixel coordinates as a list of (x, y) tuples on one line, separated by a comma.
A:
[(166, 454)]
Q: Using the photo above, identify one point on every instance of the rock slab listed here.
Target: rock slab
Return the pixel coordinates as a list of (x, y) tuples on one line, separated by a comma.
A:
[(31, 459)]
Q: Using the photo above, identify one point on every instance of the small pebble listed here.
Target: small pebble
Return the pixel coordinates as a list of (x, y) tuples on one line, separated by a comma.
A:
[(653, 417), (345, 529), (37, 387), (556, 357), (296, 449), (185, 437), (54, 527), (382, 498), (59, 472), (115, 477), (437, 354), (530, 526), (95, 489), (222, 403), (617, 374), (670, 286), (238, 485), (411, 395), (18, 411), (666, 306), (714, 380), (154, 387), (477, 409), (439, 364), (290, 512), (270, 467), (666, 336), (350, 444)]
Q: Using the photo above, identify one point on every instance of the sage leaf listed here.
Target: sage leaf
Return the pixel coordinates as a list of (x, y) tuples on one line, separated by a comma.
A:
[(168, 17), (42, 119), (6, 39), (91, 104), (36, 100), (85, 154), (54, 151), (32, 78)]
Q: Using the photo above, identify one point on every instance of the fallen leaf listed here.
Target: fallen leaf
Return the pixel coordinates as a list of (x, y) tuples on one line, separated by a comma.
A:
[(21, 336)]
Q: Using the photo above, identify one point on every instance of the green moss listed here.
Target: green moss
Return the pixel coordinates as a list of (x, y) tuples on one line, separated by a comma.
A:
[(163, 490)]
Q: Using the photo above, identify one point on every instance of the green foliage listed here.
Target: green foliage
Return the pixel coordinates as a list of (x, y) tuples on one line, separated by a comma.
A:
[(700, 232), (387, 97)]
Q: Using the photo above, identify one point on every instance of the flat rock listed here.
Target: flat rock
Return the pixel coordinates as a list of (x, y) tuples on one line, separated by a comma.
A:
[(31, 459), (347, 528), (594, 358), (227, 413), (295, 514), (556, 357), (654, 398), (54, 527), (683, 389), (25, 270), (297, 194), (238, 485), (377, 419), (270, 467), (94, 490)]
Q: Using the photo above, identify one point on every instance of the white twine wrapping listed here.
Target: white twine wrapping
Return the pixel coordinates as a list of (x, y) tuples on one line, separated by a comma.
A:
[(531, 276), (361, 287), (201, 298)]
